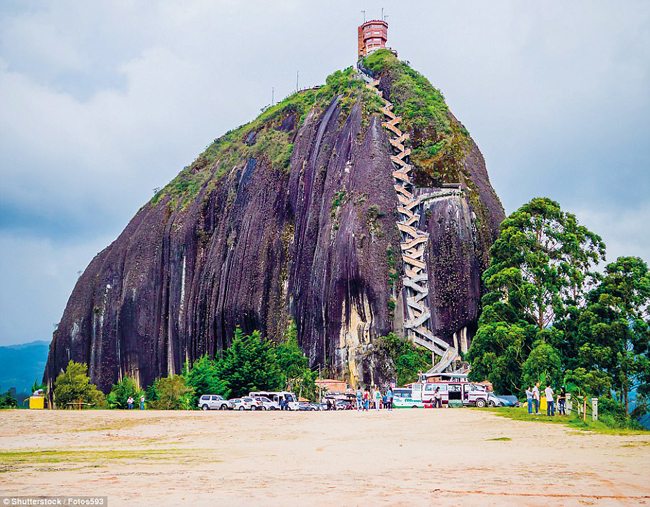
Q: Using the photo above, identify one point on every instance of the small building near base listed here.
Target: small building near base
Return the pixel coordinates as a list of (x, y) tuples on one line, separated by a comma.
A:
[(331, 385)]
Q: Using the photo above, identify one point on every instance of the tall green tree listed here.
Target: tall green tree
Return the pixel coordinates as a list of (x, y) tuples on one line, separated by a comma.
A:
[(294, 365), (539, 267), (250, 364), (73, 386), (615, 329), (203, 377)]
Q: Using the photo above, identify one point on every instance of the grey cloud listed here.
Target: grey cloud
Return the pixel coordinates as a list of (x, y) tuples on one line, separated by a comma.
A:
[(103, 101)]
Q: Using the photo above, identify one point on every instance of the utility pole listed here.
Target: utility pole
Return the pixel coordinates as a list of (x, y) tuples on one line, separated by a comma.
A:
[(272, 96), (297, 74)]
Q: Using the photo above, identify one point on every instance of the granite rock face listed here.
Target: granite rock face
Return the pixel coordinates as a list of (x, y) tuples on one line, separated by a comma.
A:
[(257, 246)]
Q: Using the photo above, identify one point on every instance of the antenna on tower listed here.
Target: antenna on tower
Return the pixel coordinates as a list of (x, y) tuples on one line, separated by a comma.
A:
[(272, 96), (364, 16), (382, 13), (297, 75)]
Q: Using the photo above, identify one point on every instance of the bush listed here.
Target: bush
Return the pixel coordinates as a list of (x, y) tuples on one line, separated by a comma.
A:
[(172, 393), (8, 400), (73, 386), (120, 393), (406, 359)]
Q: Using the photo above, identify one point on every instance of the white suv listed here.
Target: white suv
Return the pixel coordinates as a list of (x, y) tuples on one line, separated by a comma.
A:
[(266, 404), (245, 403), (213, 402)]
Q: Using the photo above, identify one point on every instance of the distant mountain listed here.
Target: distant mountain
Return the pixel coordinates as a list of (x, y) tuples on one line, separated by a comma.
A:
[(22, 364)]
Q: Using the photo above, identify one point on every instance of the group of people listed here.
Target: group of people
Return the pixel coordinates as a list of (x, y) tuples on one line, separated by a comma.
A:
[(533, 396), (130, 401), (376, 400)]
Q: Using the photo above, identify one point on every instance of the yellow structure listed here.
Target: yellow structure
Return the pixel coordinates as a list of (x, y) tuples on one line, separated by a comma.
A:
[(37, 402)]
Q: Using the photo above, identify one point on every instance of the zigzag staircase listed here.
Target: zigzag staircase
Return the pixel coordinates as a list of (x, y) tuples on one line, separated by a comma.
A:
[(413, 242)]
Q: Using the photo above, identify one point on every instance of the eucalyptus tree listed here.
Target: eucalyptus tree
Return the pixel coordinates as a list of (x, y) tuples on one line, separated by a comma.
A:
[(614, 331), (540, 266)]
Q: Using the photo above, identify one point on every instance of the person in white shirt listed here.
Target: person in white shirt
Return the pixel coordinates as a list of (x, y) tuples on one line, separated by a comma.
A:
[(529, 399), (550, 404), (377, 397), (536, 398)]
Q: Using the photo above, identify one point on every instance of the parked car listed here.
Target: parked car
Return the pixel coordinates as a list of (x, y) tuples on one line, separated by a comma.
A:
[(213, 402), (244, 403), (507, 400), (344, 405), (265, 404)]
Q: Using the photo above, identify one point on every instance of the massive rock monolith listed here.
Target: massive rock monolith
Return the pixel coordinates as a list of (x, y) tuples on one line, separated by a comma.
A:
[(288, 218)]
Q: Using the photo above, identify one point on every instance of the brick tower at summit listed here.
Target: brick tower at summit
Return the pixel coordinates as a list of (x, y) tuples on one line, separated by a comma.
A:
[(372, 36)]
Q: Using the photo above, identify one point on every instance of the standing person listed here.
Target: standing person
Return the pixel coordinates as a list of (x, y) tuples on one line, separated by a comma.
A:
[(529, 399), (377, 399), (359, 396), (366, 400), (561, 400), (384, 401), (129, 402), (536, 398), (389, 398), (437, 399), (550, 405), (142, 402)]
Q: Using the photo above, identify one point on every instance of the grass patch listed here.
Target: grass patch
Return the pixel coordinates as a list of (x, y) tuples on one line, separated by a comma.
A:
[(87, 455), (499, 439), (605, 425)]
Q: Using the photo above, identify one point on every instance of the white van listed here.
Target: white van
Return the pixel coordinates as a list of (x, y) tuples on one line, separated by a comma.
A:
[(277, 396), (403, 398), (469, 393)]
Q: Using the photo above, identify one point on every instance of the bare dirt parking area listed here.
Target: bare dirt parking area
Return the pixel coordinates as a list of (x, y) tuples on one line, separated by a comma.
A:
[(404, 457)]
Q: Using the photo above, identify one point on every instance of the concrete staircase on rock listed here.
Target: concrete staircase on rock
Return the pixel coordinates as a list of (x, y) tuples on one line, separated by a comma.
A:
[(414, 240)]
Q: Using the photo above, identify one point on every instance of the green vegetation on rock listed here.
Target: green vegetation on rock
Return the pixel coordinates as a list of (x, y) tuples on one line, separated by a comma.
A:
[(406, 359), (437, 138), (270, 136)]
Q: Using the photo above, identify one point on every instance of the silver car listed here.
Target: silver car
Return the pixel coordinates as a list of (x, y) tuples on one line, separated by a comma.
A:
[(213, 402), (266, 404)]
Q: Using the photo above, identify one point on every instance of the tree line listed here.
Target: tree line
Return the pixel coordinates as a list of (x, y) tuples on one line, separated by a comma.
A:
[(249, 364), (550, 315)]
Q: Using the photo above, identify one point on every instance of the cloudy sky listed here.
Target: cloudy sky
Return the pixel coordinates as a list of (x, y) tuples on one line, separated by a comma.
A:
[(102, 101)]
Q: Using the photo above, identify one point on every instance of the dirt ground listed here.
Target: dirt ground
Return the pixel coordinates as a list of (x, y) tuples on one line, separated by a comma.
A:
[(405, 457)]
